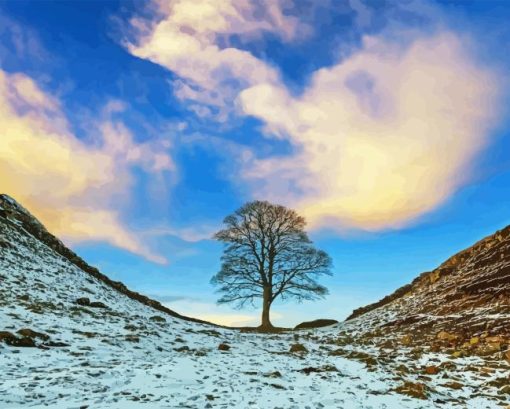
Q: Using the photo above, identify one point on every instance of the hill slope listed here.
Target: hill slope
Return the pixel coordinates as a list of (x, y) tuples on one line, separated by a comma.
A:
[(69, 338), (468, 296)]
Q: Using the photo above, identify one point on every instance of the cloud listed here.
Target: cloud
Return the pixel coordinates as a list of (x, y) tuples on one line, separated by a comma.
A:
[(192, 39), (76, 189), (191, 234), (381, 138), (173, 298), (19, 42), (385, 135)]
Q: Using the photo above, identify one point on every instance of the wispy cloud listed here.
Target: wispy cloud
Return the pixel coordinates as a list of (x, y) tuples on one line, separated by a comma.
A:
[(20, 41), (166, 298), (190, 234), (191, 38), (76, 189)]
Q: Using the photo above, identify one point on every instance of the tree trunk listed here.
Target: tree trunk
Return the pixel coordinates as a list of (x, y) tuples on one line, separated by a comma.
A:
[(266, 305)]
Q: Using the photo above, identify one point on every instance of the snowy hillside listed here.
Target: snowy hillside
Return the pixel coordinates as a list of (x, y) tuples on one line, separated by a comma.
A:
[(68, 339)]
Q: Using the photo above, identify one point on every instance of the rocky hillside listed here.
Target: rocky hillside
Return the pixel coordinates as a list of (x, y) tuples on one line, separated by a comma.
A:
[(468, 297), (12, 211), (72, 338)]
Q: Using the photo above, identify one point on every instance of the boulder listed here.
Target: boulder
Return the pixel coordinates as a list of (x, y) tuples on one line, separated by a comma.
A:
[(453, 385), (224, 347), (84, 301), (316, 323), (431, 370), (406, 340), (298, 348), (13, 341), (27, 332), (132, 338), (489, 348), (275, 374), (157, 318), (7, 337), (56, 344), (446, 336), (415, 390), (498, 339), (97, 304), (326, 368), (24, 342)]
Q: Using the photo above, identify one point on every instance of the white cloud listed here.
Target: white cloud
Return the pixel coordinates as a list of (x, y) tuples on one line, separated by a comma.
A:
[(190, 234), (76, 189), (188, 41), (382, 137)]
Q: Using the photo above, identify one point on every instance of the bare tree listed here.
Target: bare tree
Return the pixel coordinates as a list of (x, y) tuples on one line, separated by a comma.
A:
[(268, 255)]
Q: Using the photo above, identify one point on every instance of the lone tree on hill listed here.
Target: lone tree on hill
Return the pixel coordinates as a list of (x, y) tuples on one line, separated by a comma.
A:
[(268, 255)]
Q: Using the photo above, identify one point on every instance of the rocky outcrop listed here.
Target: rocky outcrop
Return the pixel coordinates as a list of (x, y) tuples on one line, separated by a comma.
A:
[(29, 333), (298, 348), (462, 307), (316, 324), (12, 340), (473, 277)]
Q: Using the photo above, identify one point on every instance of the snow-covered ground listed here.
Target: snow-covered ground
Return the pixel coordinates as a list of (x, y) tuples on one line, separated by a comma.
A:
[(129, 355)]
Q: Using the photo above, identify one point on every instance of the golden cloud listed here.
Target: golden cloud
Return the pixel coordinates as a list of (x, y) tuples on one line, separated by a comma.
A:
[(381, 138), (72, 187)]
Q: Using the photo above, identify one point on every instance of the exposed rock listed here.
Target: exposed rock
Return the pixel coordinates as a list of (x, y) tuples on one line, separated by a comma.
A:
[(84, 301), (26, 332), (7, 337), (494, 340), (157, 318), (415, 390), (474, 340), (298, 348), (489, 348), (56, 344), (316, 324), (12, 340), (463, 302), (132, 338), (97, 304), (406, 340), (326, 368), (13, 211), (432, 370), (224, 347), (24, 342), (446, 336), (275, 374), (453, 385)]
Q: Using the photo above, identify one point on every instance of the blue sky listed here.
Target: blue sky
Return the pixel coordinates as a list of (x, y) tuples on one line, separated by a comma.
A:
[(131, 129)]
